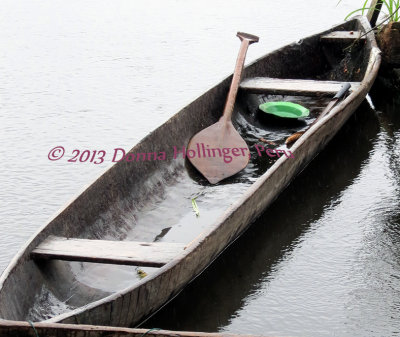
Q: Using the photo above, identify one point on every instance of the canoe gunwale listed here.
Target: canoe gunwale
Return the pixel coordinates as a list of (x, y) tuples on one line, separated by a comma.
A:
[(71, 330), (226, 217)]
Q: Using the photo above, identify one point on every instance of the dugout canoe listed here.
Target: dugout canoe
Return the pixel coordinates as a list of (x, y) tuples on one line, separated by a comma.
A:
[(82, 267)]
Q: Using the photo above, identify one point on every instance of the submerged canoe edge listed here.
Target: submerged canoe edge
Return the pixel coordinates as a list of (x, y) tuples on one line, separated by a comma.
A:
[(124, 181), (24, 329)]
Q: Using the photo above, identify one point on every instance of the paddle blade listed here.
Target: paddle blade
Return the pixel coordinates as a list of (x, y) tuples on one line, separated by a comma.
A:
[(218, 152)]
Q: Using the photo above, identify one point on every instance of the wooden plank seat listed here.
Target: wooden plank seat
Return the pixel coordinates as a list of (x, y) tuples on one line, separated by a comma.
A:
[(342, 36), (150, 254), (294, 87)]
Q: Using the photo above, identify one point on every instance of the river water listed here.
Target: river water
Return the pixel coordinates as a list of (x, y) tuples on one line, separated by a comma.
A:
[(97, 75)]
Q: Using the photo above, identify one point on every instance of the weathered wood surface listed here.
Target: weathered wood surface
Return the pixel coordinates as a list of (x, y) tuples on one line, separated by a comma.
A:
[(343, 36), (124, 185), (150, 254), (25, 329), (293, 86), (374, 11)]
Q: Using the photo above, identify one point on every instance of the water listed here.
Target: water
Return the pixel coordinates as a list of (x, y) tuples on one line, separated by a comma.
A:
[(101, 75)]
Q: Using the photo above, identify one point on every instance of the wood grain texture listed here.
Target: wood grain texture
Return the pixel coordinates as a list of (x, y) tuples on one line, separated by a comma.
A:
[(343, 36), (24, 329), (293, 86), (150, 254)]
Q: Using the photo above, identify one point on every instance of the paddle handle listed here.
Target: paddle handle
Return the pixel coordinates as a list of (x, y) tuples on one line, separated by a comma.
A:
[(339, 95), (246, 39), (343, 90)]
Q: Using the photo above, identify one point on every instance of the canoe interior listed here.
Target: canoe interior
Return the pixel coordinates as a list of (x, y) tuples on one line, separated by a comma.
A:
[(150, 200)]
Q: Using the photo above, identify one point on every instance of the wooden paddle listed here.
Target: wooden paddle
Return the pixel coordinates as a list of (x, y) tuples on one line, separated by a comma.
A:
[(345, 88), (219, 151)]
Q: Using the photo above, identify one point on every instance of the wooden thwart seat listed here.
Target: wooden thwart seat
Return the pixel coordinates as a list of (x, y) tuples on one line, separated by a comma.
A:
[(150, 254), (342, 36), (281, 86)]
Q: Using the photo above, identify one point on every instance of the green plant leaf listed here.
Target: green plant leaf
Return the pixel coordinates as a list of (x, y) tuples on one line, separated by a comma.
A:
[(195, 208), (391, 9), (141, 273), (364, 7), (388, 6), (355, 11)]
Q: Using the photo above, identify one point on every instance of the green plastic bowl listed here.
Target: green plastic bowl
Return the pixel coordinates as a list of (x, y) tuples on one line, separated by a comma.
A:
[(285, 109)]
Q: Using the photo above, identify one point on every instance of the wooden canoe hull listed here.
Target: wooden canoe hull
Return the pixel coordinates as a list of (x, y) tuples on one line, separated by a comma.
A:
[(128, 182)]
